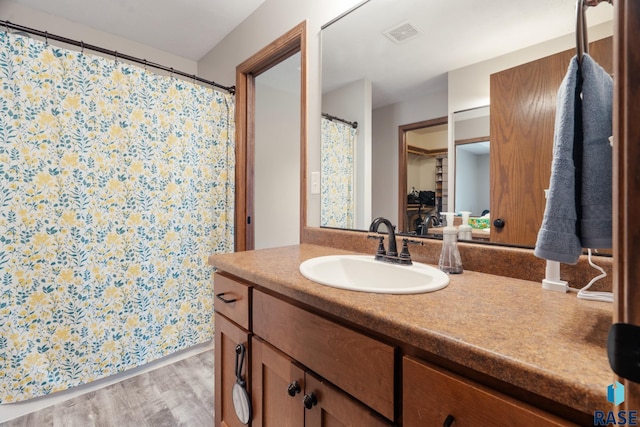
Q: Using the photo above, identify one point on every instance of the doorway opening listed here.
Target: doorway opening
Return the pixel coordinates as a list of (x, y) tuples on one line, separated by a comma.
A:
[(289, 44)]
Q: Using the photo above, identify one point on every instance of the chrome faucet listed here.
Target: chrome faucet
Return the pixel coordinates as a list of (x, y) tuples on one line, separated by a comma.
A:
[(392, 254)]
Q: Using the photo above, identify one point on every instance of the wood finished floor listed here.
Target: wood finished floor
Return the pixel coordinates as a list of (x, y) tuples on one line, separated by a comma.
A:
[(180, 394)]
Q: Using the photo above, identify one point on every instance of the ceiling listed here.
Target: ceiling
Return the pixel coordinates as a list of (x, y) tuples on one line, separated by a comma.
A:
[(187, 28), (453, 34)]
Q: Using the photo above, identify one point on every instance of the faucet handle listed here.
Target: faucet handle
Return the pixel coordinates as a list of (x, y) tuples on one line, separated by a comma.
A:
[(381, 250), (405, 256)]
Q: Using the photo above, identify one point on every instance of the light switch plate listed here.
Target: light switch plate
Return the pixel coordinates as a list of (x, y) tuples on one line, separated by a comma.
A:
[(315, 182)]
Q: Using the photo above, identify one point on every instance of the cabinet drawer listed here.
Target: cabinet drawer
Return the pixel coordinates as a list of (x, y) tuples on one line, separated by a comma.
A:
[(359, 365), (430, 395), (232, 299)]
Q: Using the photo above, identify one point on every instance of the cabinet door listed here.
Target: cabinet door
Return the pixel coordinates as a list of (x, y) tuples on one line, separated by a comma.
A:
[(523, 106), (433, 397), (329, 407), (227, 336), (276, 389)]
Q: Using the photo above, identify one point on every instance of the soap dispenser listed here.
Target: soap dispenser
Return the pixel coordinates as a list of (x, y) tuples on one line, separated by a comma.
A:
[(464, 231), (450, 256)]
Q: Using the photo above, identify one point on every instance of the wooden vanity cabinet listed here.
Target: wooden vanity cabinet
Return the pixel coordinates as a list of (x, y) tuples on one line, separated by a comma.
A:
[(285, 395), (297, 358), (435, 397)]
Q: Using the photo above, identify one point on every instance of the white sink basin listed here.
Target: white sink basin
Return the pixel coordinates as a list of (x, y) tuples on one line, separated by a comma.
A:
[(363, 273)]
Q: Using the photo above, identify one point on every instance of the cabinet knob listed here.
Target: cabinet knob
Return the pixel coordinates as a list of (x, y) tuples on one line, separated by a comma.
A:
[(498, 223), (309, 400), (293, 389), (448, 422)]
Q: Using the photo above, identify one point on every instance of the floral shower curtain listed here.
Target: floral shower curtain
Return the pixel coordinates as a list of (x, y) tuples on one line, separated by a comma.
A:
[(115, 186), (337, 199)]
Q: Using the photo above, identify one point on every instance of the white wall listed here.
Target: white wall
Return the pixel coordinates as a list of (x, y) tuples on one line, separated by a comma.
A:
[(385, 123), (32, 18), (466, 192), (353, 103), (267, 23), (277, 163), (472, 184)]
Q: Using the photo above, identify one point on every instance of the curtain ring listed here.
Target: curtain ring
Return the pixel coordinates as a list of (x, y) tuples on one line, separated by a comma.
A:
[(145, 64), (6, 25), (171, 72), (81, 47), (116, 56), (46, 37)]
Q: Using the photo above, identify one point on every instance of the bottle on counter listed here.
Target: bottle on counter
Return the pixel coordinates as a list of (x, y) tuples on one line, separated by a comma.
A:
[(450, 261)]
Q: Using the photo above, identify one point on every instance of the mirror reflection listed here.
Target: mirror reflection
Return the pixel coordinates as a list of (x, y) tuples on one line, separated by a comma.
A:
[(472, 148), (389, 64), (427, 182)]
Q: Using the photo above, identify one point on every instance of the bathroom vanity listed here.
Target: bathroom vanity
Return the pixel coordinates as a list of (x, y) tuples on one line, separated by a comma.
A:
[(485, 350)]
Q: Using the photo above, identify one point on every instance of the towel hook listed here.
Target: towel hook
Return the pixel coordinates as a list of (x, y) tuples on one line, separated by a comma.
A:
[(582, 41), (582, 44)]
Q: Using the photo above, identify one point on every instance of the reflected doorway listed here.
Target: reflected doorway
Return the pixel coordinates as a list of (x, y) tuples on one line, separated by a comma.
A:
[(423, 174)]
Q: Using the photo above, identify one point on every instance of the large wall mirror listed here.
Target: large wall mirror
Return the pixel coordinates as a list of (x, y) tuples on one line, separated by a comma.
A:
[(388, 64)]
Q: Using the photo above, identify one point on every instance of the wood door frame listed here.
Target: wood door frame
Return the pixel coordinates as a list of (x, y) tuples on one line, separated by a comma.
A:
[(402, 161), (285, 46), (626, 170)]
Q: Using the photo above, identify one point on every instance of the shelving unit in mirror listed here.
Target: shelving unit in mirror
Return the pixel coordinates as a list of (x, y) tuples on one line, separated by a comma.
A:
[(442, 189)]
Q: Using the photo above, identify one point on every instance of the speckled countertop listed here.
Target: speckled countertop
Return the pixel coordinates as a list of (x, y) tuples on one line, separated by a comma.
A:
[(551, 344)]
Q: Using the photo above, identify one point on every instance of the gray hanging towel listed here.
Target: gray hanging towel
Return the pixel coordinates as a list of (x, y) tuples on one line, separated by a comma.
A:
[(596, 228), (557, 238), (578, 213)]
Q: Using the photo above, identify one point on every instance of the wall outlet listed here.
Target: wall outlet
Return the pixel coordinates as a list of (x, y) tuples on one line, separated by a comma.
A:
[(315, 182)]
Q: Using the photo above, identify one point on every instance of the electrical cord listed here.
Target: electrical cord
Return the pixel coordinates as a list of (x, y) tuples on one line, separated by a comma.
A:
[(585, 293)]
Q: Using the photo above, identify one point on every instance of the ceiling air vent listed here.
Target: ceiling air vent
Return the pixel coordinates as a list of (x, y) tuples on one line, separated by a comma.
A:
[(403, 32)]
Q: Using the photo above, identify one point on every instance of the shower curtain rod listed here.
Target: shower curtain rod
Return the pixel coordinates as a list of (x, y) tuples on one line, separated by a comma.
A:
[(330, 117), (114, 53)]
